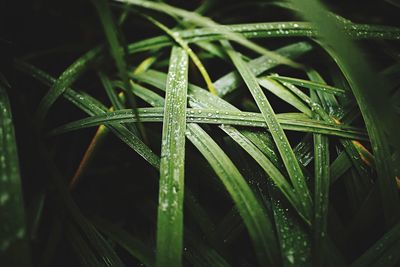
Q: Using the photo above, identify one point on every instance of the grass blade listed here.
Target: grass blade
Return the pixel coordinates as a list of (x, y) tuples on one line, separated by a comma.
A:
[(14, 246), (170, 208), (66, 79), (321, 193), (267, 30), (311, 85), (288, 121)]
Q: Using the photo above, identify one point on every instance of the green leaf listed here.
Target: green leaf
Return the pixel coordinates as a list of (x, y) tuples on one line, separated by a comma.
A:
[(288, 121), (170, 207), (14, 245), (311, 85), (66, 79), (321, 193)]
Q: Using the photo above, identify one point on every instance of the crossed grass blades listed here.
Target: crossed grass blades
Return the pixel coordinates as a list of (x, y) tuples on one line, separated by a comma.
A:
[(281, 188)]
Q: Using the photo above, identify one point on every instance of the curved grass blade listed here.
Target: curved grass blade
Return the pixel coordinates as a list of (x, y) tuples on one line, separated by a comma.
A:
[(66, 79), (198, 19), (267, 30), (255, 218), (379, 117), (288, 121), (290, 161), (14, 246), (311, 85), (170, 207)]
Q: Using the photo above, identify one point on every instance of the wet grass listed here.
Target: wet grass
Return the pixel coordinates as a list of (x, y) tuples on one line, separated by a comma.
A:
[(195, 135)]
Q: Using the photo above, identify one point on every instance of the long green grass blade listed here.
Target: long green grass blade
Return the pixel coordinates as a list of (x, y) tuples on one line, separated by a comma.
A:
[(14, 246), (267, 30), (170, 207), (66, 79), (311, 85), (321, 193), (288, 121)]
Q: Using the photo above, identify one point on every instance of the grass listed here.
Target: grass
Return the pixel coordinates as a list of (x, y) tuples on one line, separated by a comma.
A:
[(184, 135)]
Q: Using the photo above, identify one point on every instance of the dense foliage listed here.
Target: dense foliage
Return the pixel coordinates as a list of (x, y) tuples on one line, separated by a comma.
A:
[(201, 133)]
